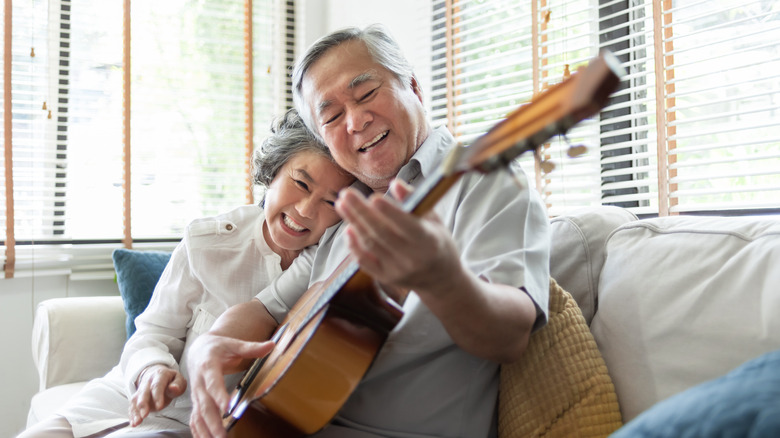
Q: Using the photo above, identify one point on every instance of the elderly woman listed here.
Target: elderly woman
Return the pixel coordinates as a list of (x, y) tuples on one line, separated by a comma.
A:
[(221, 261)]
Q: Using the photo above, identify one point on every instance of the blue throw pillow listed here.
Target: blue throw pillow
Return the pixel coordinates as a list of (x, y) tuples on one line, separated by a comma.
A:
[(137, 273), (743, 403)]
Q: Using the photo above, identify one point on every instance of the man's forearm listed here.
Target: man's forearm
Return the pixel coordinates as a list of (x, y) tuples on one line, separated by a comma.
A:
[(248, 321), (492, 321)]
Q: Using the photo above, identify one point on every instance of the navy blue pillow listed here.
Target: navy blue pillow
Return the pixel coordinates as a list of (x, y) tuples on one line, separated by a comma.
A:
[(743, 403), (137, 273)]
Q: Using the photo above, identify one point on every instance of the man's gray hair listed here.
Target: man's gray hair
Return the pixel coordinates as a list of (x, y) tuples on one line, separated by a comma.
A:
[(382, 47), (289, 137)]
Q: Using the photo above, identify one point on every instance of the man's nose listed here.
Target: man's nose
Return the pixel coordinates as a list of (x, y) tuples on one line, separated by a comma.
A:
[(357, 120)]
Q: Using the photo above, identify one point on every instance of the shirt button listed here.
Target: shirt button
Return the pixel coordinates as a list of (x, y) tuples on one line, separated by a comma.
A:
[(229, 227)]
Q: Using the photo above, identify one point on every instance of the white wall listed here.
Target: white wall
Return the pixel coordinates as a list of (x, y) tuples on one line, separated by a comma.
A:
[(407, 21)]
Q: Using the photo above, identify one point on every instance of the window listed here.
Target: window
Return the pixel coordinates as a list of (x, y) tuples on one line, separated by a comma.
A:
[(123, 131), (693, 128)]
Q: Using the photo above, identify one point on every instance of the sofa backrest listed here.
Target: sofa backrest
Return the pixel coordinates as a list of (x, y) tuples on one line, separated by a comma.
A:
[(577, 251), (686, 299)]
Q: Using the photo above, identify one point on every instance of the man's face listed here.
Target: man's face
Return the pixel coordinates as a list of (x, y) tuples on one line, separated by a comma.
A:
[(371, 122)]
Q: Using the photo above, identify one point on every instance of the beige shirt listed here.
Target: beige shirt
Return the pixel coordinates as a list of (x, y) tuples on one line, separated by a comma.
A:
[(422, 384)]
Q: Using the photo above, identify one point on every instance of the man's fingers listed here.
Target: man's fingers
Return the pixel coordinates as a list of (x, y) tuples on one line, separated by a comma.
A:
[(254, 350), (218, 356), (198, 427), (208, 416), (400, 190), (214, 384)]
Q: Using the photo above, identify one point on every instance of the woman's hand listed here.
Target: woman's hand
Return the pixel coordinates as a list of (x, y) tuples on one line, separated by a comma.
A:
[(156, 387)]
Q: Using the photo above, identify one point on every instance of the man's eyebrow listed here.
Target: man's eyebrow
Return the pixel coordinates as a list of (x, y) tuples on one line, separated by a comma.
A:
[(322, 106), (355, 82), (361, 79)]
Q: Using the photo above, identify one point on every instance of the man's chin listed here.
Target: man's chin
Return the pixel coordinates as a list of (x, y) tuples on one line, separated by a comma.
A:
[(377, 181)]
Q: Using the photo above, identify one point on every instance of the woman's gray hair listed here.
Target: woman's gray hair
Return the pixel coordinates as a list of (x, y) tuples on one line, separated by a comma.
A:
[(382, 47), (289, 137)]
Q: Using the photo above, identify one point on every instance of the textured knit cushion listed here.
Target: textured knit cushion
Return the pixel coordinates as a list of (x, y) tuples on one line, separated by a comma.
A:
[(560, 388), (743, 403), (137, 273)]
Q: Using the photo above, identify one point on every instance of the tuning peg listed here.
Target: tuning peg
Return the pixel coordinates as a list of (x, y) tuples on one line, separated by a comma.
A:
[(547, 166), (576, 151)]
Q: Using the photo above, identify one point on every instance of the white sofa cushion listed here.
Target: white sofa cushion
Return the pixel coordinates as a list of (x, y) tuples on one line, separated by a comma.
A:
[(77, 338), (577, 251), (686, 299)]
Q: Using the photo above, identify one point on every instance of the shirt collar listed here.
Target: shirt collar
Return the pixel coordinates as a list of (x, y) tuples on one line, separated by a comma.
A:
[(428, 156)]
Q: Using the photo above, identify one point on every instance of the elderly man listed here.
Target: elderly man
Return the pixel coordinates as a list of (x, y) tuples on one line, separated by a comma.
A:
[(477, 270)]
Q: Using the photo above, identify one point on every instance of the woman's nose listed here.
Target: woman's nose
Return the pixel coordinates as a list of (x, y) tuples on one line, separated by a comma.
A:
[(306, 207)]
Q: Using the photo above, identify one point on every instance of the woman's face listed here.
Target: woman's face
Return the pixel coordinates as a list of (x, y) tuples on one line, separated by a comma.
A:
[(299, 202)]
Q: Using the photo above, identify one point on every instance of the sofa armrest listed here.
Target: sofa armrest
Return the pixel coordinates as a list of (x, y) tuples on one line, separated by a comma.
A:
[(77, 338)]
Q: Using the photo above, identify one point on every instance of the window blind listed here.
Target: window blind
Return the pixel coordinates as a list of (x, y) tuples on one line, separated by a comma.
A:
[(273, 59), (722, 80), (567, 39), (691, 129), (488, 58), (188, 152), (187, 116), (627, 130)]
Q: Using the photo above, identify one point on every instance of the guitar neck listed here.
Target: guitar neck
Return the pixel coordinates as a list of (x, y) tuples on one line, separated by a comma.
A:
[(425, 197)]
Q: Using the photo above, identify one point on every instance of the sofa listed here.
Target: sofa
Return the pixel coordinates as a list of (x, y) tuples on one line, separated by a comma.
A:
[(676, 306)]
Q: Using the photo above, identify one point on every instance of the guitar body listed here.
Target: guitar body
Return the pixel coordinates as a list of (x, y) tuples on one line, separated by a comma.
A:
[(318, 361)]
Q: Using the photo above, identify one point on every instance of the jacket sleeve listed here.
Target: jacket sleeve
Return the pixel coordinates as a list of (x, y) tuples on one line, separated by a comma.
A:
[(161, 329)]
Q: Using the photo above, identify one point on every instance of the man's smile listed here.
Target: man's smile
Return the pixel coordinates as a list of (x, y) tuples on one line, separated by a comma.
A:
[(373, 142)]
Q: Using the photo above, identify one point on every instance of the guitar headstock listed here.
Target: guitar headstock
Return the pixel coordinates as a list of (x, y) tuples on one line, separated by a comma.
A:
[(550, 113)]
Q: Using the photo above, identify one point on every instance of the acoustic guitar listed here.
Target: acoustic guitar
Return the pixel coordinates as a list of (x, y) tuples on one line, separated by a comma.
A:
[(331, 336)]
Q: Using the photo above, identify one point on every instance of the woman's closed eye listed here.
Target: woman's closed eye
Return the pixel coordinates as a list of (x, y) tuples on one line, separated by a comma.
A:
[(301, 184)]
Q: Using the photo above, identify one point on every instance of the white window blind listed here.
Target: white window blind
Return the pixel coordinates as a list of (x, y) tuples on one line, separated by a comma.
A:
[(691, 129), (485, 54), (188, 124), (722, 71), (187, 133), (567, 39)]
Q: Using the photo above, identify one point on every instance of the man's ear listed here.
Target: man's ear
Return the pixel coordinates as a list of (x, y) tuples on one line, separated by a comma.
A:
[(416, 88)]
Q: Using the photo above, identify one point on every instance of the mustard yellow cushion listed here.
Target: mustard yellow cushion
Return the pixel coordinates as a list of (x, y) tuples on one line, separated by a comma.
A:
[(560, 388)]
